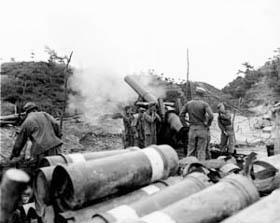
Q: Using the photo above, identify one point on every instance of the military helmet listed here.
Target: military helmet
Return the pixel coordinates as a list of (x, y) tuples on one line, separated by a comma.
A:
[(200, 91), (29, 106)]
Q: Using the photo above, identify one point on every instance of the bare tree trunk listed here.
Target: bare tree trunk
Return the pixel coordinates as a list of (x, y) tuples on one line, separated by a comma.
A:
[(277, 133), (233, 118), (188, 83), (65, 90)]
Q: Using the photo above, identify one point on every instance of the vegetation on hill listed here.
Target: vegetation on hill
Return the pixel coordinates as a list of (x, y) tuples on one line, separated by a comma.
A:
[(41, 82), (257, 86), (175, 90)]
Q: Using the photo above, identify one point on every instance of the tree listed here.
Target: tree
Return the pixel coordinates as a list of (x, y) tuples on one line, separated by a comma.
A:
[(248, 68), (54, 58), (274, 81), (277, 54), (32, 55), (238, 87)]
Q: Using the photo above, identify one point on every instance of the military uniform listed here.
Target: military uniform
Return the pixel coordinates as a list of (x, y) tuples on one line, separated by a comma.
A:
[(150, 128), (140, 130), (128, 133), (200, 119), (44, 133), (227, 132)]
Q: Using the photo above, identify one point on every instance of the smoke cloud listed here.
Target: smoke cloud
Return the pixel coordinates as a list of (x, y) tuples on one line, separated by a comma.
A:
[(103, 91), (151, 82)]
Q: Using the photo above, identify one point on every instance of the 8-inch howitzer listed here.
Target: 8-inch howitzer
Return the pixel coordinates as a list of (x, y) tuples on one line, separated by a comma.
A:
[(171, 131)]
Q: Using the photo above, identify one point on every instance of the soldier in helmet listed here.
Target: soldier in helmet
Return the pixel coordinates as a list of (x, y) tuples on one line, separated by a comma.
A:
[(42, 130), (128, 130), (150, 119), (200, 118), (140, 127), (227, 132)]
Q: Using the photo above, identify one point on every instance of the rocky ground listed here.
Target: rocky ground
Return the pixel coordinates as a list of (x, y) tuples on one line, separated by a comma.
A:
[(80, 136)]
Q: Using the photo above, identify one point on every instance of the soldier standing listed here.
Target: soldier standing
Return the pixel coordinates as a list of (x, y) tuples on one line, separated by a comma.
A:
[(127, 122), (150, 125), (140, 128), (227, 132), (200, 119)]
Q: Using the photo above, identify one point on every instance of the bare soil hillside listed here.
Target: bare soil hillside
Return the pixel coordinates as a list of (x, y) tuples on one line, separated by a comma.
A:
[(78, 137), (261, 94)]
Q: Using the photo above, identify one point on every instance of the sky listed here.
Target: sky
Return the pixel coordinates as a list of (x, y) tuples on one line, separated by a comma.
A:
[(127, 36)]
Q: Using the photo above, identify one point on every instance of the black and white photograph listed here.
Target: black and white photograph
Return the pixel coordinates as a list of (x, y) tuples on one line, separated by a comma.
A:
[(129, 111)]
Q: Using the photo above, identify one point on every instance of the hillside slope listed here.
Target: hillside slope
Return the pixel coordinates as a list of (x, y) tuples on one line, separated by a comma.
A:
[(261, 93), (43, 83), (257, 87), (40, 82)]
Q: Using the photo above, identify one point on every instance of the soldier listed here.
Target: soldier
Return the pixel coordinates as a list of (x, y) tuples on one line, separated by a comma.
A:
[(140, 128), (134, 130), (150, 125), (43, 131), (273, 145), (227, 132), (200, 119), (127, 121), (20, 214)]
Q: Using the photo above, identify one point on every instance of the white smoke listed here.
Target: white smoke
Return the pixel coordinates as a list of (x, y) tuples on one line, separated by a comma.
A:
[(103, 91), (151, 82)]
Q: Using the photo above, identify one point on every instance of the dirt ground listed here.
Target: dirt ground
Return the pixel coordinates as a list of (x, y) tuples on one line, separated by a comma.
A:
[(80, 136)]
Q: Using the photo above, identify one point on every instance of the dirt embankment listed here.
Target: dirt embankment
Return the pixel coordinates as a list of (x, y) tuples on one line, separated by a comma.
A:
[(78, 137), (260, 94)]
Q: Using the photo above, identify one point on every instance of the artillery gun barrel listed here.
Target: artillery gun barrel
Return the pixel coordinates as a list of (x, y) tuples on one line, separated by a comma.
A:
[(172, 118), (140, 90)]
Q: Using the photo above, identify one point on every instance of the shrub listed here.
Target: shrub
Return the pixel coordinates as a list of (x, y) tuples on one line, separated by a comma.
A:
[(40, 82)]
